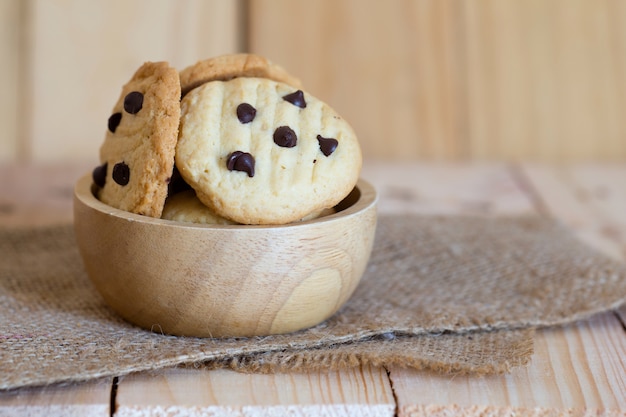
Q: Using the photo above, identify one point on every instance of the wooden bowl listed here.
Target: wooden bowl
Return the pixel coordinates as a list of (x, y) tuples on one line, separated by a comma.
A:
[(224, 281)]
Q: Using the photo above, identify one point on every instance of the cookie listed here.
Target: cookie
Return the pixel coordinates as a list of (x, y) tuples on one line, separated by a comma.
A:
[(137, 155), (227, 67), (258, 151), (185, 207)]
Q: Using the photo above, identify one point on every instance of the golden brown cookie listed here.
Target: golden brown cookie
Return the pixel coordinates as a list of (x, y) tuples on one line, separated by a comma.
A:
[(227, 67), (137, 155), (258, 151), (185, 207)]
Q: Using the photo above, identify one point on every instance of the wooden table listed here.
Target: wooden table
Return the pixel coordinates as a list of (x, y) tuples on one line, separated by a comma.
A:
[(576, 370)]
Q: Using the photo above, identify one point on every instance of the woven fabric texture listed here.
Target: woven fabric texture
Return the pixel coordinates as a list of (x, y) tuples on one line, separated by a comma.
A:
[(449, 294)]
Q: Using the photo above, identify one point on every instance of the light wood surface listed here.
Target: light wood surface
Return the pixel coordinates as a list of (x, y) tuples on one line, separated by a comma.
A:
[(9, 78), (591, 198), (576, 370), (88, 399), (358, 392), (65, 62), (425, 79), (469, 80), (573, 368)]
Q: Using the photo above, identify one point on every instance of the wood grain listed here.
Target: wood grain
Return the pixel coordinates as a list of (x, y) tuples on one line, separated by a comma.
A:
[(38, 195), (491, 79), (388, 68), (447, 188), (224, 280), (428, 79), (588, 198), (87, 399), (187, 392), (10, 80), (83, 52), (570, 371)]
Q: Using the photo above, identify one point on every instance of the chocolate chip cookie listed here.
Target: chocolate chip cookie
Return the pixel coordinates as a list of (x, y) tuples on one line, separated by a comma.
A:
[(137, 156), (185, 207), (227, 67), (258, 151)]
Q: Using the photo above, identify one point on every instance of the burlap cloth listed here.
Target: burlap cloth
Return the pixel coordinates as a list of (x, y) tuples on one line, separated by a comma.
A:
[(449, 294)]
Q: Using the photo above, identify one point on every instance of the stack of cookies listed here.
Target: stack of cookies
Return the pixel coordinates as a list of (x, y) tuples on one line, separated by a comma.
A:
[(230, 140)]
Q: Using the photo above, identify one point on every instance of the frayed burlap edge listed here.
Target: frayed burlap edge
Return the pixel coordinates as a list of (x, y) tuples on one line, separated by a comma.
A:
[(482, 353)]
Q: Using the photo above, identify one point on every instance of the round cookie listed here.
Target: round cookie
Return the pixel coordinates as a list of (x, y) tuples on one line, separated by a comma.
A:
[(185, 207), (137, 155), (227, 67), (258, 151)]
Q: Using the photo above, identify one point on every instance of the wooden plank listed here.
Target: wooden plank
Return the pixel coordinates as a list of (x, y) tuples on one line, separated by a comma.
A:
[(83, 52), (589, 198), (539, 76), (38, 195), (575, 371), (390, 68), (196, 392), (452, 188), (10, 54), (492, 79), (86, 399), (499, 106)]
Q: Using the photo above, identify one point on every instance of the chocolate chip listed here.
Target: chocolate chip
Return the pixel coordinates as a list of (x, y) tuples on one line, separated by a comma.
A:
[(285, 137), (327, 145), (245, 113), (296, 98), (114, 121), (133, 102), (241, 161), (99, 175), (121, 173)]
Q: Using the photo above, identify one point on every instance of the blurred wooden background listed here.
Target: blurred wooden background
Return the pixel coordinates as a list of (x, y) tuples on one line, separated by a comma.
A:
[(455, 80)]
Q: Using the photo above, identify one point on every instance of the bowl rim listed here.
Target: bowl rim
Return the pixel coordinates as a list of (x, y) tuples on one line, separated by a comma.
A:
[(83, 194)]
